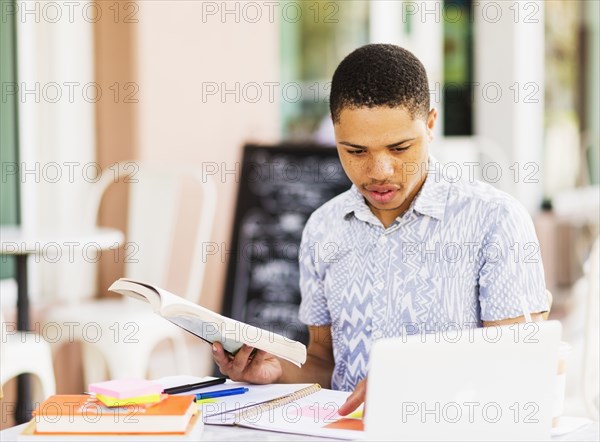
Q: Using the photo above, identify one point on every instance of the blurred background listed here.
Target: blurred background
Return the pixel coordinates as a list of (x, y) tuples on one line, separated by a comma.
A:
[(92, 90)]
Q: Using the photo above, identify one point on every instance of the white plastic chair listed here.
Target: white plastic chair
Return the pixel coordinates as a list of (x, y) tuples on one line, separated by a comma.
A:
[(119, 335), (22, 353)]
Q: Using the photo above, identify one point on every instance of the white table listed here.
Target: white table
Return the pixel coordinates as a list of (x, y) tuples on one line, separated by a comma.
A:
[(588, 432), (14, 241)]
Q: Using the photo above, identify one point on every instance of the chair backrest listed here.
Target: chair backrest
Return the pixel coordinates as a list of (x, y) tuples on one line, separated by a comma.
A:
[(170, 217)]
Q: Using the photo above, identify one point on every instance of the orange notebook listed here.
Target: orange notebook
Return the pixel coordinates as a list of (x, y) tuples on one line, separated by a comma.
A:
[(86, 414), (193, 433)]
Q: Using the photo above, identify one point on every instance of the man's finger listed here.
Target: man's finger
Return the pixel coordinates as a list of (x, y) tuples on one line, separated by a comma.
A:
[(351, 404), (259, 357), (354, 400), (220, 357), (241, 358)]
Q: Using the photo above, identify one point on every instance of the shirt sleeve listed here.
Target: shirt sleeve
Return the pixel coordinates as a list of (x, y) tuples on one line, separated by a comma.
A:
[(511, 279), (313, 307)]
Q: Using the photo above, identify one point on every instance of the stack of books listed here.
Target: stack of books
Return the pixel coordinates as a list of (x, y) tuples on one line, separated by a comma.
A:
[(116, 410)]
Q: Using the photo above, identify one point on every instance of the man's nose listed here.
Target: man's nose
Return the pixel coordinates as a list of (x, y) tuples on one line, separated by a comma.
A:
[(381, 168)]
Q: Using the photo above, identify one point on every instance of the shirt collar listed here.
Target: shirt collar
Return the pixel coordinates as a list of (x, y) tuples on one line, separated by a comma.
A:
[(430, 201), (355, 204)]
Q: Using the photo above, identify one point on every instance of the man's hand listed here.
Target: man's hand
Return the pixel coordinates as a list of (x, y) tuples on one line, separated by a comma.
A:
[(248, 365), (355, 399)]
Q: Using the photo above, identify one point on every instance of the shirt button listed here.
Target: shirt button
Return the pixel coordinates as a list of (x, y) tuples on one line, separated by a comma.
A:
[(382, 240), (377, 334), (379, 285)]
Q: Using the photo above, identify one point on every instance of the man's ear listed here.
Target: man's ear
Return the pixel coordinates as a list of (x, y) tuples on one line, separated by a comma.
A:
[(431, 119)]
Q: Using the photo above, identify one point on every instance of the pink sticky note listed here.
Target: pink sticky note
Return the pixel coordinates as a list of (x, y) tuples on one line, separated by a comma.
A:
[(126, 388)]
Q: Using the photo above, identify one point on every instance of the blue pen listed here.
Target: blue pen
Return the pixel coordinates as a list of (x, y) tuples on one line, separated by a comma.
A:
[(221, 393)]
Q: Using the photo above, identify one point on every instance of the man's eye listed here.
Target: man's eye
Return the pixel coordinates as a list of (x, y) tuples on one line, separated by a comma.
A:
[(355, 151), (400, 149)]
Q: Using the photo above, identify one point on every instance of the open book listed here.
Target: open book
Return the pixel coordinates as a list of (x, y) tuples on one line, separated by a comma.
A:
[(287, 408), (210, 326)]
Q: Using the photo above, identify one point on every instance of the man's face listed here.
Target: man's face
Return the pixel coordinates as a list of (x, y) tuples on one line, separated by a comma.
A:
[(384, 152)]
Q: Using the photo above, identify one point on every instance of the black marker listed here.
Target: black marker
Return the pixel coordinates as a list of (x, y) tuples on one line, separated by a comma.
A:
[(190, 387)]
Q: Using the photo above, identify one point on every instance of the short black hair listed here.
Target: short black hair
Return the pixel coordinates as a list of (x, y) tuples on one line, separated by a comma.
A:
[(377, 75)]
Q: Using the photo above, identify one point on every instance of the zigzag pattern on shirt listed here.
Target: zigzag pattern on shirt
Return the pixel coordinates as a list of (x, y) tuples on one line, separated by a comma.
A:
[(431, 271)]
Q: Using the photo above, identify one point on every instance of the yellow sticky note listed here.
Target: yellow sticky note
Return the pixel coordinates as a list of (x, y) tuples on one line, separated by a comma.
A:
[(358, 414), (115, 402)]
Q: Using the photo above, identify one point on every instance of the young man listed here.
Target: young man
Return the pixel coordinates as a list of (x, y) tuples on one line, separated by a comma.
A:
[(413, 251)]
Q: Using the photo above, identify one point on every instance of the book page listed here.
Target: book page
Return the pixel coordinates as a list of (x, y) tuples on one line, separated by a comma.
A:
[(315, 414), (211, 327), (215, 411), (137, 290)]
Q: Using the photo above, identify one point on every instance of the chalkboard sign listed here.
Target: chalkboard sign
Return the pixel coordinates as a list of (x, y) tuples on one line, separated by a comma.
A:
[(280, 186)]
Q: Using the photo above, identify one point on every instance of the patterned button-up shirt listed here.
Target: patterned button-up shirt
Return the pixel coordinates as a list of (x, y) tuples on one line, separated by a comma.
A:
[(463, 253)]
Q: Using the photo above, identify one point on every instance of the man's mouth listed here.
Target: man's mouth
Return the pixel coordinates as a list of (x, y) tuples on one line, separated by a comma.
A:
[(382, 194)]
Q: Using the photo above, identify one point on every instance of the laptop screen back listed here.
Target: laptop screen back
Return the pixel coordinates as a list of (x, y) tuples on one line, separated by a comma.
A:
[(493, 383)]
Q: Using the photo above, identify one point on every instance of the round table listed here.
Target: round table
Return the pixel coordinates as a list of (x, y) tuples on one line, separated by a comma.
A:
[(22, 243)]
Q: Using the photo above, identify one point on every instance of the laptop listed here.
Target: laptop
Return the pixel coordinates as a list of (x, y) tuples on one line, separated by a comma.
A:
[(494, 383)]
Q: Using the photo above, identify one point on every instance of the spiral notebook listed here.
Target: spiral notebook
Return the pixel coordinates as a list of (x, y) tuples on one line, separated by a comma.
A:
[(287, 408)]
